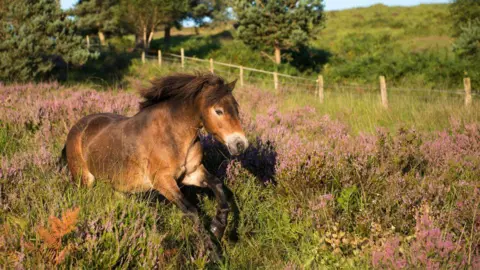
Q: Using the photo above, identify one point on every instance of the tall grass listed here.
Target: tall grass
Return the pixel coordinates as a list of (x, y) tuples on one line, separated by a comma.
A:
[(310, 193), (363, 112)]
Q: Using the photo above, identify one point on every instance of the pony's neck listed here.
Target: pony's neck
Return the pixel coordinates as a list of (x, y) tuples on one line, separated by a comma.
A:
[(188, 114), (183, 118)]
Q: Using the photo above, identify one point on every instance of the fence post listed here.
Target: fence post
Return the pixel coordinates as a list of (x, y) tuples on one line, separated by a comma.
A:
[(468, 91), (241, 75), (320, 88), (159, 58), (211, 65), (88, 42), (143, 57), (275, 80), (383, 91), (182, 53)]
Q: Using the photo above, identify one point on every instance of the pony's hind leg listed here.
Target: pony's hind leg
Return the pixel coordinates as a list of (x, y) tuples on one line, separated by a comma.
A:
[(168, 187), (80, 172), (76, 163)]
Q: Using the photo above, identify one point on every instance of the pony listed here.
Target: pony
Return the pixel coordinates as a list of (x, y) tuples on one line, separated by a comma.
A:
[(159, 148)]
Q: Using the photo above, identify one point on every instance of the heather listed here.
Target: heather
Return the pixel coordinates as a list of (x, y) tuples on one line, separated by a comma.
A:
[(312, 191)]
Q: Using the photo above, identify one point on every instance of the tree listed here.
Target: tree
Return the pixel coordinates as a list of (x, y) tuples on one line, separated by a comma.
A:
[(281, 24), (144, 16), (466, 25), (35, 37), (97, 17), (176, 11), (464, 12), (467, 45), (215, 10)]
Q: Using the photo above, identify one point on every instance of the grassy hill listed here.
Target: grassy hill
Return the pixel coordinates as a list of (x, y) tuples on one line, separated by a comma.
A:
[(409, 45), (415, 28)]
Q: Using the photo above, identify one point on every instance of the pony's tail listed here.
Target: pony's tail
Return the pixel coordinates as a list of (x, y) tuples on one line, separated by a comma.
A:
[(62, 160)]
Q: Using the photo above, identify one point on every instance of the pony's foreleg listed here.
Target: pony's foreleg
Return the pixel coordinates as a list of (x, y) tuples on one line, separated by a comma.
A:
[(219, 222), (202, 178)]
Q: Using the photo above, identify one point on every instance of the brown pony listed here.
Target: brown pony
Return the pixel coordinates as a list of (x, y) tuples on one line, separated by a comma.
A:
[(159, 148)]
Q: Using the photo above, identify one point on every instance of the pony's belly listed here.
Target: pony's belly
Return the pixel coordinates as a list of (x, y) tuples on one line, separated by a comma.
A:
[(121, 168), (140, 183), (130, 179)]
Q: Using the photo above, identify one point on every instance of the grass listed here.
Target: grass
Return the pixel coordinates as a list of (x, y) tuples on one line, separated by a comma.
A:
[(363, 112), (136, 232), (310, 192), (428, 22)]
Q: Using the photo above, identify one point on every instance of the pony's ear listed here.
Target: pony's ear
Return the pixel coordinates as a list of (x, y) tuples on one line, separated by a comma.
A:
[(231, 85)]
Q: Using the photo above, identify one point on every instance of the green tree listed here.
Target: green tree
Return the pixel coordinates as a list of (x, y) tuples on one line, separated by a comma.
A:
[(280, 24), (467, 45), (35, 36), (214, 10), (466, 25), (464, 12), (97, 17), (176, 11), (143, 17), (197, 10)]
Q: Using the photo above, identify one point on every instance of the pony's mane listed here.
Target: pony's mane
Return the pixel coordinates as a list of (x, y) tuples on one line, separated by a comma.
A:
[(182, 87)]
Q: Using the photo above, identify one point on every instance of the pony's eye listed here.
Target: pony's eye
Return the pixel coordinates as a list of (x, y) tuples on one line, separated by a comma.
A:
[(219, 111)]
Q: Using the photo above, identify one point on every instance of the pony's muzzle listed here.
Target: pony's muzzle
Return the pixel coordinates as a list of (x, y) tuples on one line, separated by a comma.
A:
[(236, 143)]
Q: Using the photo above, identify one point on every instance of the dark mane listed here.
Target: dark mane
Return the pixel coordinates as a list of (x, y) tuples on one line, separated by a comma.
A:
[(182, 87)]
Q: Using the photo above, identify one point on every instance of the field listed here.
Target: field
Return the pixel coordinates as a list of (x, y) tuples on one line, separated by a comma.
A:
[(344, 184), (411, 46), (313, 190)]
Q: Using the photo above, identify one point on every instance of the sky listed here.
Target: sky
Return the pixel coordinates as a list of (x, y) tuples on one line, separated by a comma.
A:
[(335, 4)]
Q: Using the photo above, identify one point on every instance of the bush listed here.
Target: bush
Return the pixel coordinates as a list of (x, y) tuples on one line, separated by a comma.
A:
[(36, 38)]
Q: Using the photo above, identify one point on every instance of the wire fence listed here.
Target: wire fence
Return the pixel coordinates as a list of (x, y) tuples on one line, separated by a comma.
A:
[(286, 83)]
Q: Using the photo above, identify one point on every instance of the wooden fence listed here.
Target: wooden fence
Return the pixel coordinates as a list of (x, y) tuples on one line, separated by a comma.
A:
[(318, 84)]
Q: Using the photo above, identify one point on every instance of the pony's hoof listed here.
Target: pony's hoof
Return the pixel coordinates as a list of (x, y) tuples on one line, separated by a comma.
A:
[(213, 252), (217, 230)]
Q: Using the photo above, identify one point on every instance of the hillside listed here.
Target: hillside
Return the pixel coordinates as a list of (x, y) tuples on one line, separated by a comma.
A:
[(418, 27), (415, 28), (410, 45)]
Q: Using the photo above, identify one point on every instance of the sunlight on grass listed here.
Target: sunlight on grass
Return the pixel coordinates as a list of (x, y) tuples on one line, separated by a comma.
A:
[(426, 111)]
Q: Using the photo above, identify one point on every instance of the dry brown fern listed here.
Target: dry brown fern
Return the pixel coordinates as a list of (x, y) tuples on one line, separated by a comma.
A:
[(58, 228), (53, 234)]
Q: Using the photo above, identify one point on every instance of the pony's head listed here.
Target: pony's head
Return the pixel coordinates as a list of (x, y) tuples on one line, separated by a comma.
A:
[(220, 115), (211, 97)]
